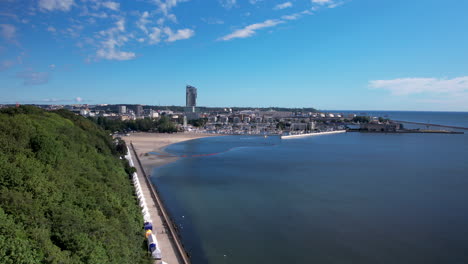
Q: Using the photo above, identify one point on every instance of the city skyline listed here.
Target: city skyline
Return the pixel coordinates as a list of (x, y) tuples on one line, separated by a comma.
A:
[(326, 54)]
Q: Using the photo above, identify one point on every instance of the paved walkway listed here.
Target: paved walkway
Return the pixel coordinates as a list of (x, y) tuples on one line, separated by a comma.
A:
[(166, 243)]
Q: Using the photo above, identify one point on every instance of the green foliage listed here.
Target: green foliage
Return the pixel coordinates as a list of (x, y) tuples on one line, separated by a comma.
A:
[(162, 125), (280, 125), (201, 122), (361, 119), (383, 120), (65, 196)]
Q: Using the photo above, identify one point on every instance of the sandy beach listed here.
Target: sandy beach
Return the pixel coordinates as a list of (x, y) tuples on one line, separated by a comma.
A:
[(148, 142)]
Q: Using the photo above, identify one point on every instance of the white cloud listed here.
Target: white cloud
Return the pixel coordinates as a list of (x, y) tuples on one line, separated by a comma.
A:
[(172, 18), (179, 34), (428, 86), (291, 17), (322, 2), (111, 5), (283, 6), (114, 54), (296, 16), (154, 36), (51, 29), (166, 6), (114, 38), (51, 5), (333, 5), (228, 3), (253, 2), (120, 24), (78, 99), (250, 30), (8, 32), (143, 21), (31, 77)]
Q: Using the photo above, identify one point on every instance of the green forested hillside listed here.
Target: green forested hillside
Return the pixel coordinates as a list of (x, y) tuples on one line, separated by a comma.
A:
[(64, 194)]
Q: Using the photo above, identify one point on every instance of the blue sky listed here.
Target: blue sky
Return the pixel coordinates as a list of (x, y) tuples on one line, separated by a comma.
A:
[(327, 54)]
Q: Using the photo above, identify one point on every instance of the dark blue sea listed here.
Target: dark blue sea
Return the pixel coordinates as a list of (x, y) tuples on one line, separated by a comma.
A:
[(344, 198)]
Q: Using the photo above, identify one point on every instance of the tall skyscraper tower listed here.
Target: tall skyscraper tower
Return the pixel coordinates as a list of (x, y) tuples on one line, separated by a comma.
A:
[(191, 96)]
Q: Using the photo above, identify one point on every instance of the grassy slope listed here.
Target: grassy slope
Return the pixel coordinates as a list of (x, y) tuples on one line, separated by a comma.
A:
[(64, 194)]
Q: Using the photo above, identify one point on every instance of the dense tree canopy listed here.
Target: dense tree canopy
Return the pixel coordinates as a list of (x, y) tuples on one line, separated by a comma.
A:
[(64, 194), (361, 119), (161, 125)]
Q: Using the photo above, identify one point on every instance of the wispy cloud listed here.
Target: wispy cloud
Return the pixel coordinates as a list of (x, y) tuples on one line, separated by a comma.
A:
[(333, 5), (8, 32), (166, 6), (228, 3), (52, 100), (51, 5), (283, 6), (212, 21), (250, 30), (51, 29), (6, 64), (428, 86), (322, 2), (143, 21), (31, 77)]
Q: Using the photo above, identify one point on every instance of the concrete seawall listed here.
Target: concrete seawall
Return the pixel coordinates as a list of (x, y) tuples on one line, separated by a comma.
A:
[(313, 134), (171, 246)]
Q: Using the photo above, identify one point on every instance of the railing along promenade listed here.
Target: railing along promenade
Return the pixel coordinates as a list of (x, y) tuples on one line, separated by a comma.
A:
[(169, 223)]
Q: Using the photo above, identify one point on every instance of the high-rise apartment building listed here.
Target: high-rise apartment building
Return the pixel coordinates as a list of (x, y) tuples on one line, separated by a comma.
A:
[(190, 96), (139, 110), (122, 109)]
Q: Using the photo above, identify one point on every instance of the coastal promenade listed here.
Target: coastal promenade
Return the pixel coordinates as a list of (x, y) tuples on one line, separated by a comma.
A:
[(140, 144), (169, 250)]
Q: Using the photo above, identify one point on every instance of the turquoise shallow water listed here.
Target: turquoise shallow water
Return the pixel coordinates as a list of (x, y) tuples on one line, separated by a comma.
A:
[(345, 198)]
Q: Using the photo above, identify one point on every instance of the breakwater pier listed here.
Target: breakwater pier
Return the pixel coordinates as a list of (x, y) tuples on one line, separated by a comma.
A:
[(312, 134), (428, 124)]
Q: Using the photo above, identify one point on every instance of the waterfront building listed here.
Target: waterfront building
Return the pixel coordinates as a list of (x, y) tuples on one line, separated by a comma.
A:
[(153, 114), (386, 127), (122, 109)]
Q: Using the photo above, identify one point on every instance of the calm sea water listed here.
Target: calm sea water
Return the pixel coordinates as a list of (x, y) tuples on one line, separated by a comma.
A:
[(345, 198)]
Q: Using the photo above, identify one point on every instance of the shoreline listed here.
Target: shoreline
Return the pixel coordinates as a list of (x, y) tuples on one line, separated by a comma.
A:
[(157, 142)]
